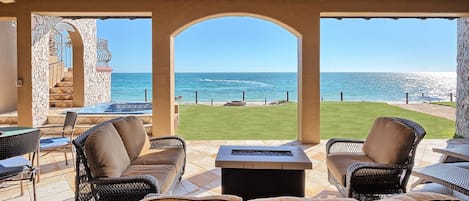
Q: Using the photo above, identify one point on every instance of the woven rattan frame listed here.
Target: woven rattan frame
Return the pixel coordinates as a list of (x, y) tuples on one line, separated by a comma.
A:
[(369, 181), (17, 145), (87, 187)]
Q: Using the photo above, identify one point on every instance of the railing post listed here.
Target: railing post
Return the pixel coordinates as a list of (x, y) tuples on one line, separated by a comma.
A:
[(341, 96), (196, 98), (145, 95), (407, 98), (288, 98), (450, 97), (243, 96)]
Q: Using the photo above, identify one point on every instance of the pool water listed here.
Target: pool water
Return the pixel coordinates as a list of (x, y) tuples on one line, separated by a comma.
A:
[(117, 108)]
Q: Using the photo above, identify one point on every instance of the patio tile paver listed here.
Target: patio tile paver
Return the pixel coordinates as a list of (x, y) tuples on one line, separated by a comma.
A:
[(201, 176)]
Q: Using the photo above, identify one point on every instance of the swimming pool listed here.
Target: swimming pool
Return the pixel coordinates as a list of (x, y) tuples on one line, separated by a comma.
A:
[(117, 108)]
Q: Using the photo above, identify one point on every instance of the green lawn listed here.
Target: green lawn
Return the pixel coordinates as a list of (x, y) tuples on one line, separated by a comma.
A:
[(450, 104), (348, 120)]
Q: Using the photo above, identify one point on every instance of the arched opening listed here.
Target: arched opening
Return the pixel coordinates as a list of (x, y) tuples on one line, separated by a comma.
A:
[(398, 65), (66, 69), (240, 57)]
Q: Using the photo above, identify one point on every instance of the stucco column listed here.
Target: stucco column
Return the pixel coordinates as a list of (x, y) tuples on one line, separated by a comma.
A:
[(462, 90), (308, 83), (163, 79), (24, 92), (78, 67)]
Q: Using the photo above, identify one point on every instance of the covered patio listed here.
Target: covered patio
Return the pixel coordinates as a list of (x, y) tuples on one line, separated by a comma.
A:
[(169, 18)]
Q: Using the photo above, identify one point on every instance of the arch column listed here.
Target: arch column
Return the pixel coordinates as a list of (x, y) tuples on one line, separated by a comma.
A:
[(78, 68), (162, 79), (25, 92), (309, 82)]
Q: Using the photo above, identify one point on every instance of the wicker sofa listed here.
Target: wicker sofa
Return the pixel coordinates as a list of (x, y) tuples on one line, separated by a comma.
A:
[(116, 161)]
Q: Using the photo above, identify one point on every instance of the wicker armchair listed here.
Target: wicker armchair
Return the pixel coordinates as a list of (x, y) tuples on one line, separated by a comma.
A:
[(89, 187), (382, 164)]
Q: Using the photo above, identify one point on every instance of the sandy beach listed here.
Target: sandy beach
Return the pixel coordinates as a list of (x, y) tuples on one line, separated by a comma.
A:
[(431, 109)]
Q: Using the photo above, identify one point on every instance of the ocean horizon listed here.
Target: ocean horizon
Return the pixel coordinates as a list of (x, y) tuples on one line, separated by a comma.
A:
[(273, 86)]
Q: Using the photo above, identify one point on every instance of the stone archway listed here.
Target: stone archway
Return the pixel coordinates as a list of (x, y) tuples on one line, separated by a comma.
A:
[(61, 34), (41, 30), (78, 67)]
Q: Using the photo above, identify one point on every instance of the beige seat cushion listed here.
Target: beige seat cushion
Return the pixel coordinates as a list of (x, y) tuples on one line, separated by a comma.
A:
[(389, 141), (165, 174), (156, 197), (133, 135), (173, 156), (338, 164), (291, 198), (106, 153), (419, 196)]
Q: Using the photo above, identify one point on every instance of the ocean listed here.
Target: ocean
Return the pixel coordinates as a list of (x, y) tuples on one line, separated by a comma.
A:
[(258, 87)]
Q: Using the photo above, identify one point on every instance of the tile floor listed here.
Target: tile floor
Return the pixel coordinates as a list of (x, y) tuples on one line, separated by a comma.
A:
[(201, 177)]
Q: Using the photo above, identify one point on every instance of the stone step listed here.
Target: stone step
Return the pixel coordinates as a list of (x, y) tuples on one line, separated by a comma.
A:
[(61, 97), (67, 79), (8, 120), (60, 103), (61, 90), (7, 125), (53, 59), (79, 128), (64, 84), (94, 119), (68, 73)]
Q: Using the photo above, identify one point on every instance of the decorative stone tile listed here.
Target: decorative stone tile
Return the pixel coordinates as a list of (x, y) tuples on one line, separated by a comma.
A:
[(462, 88)]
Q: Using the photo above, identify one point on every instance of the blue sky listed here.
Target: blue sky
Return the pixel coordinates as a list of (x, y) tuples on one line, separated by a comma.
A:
[(245, 44)]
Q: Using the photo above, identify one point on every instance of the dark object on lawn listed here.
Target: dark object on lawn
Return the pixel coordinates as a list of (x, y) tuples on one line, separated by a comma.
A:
[(235, 103)]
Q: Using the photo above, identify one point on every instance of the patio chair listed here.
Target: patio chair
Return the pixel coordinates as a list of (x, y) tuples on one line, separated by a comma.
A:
[(13, 167), (61, 143), (382, 164)]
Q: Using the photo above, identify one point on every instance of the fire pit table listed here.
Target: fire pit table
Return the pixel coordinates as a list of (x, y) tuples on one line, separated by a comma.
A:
[(262, 171)]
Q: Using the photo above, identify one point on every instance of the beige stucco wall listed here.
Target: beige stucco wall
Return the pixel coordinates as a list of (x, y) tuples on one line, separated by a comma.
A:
[(8, 66), (462, 111)]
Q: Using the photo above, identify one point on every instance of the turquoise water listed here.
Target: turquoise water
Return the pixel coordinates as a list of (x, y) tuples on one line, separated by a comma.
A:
[(377, 87)]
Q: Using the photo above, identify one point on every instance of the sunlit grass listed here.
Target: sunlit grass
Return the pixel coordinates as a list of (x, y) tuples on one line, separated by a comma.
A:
[(346, 119)]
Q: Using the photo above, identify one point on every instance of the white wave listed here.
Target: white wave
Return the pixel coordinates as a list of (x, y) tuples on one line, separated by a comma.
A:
[(236, 81)]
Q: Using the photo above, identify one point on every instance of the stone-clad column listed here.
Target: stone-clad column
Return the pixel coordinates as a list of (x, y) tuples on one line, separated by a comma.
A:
[(462, 112)]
